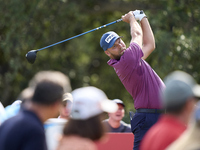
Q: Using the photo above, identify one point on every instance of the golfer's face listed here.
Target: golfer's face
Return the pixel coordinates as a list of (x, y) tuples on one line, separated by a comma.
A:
[(117, 50)]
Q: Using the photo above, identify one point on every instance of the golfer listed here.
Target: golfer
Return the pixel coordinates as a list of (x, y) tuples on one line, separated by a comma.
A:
[(137, 76)]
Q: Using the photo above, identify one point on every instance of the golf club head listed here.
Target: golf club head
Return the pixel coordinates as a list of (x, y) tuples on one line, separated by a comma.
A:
[(31, 56)]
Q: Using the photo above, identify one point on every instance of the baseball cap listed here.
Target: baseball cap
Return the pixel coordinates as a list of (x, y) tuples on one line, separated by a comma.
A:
[(90, 101), (67, 97), (118, 101), (108, 39), (179, 87)]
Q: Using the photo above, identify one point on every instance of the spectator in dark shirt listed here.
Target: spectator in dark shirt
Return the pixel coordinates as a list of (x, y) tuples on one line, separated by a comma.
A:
[(114, 122), (25, 131)]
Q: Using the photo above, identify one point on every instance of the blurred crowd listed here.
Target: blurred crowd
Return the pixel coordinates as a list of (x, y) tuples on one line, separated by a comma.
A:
[(48, 115)]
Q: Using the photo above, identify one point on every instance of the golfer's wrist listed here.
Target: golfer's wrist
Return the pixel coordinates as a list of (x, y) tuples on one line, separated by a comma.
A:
[(143, 18)]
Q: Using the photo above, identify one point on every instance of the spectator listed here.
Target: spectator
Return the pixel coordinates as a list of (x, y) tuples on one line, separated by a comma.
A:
[(179, 101), (85, 126), (54, 126), (27, 93), (10, 110), (114, 122), (66, 106), (137, 76), (189, 140), (13, 109), (25, 130)]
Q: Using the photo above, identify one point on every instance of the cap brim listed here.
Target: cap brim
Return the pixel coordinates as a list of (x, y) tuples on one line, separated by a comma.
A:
[(121, 104), (67, 97), (109, 106)]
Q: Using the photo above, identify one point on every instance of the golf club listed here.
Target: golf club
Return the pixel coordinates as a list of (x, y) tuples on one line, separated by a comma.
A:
[(31, 55)]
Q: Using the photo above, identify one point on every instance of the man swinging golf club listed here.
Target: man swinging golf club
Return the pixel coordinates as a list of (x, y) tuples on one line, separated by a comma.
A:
[(137, 76)]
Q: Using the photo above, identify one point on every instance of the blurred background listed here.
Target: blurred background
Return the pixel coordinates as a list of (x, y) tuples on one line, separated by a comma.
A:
[(32, 24)]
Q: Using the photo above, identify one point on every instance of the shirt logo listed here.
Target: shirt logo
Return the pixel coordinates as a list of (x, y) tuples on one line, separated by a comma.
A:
[(109, 38)]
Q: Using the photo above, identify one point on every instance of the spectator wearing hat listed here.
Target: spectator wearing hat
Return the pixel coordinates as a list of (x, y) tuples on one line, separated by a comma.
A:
[(66, 106), (54, 126), (85, 126), (27, 93), (179, 101), (114, 122), (25, 130)]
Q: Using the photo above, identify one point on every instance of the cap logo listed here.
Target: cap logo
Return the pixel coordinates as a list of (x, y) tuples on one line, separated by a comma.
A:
[(109, 38)]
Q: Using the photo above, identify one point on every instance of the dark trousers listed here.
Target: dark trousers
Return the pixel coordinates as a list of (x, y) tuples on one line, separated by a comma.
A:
[(140, 123)]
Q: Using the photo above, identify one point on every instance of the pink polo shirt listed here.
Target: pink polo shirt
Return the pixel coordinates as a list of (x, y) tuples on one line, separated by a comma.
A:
[(139, 79)]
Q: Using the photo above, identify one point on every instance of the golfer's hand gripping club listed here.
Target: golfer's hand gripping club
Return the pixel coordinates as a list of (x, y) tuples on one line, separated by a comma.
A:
[(139, 14)]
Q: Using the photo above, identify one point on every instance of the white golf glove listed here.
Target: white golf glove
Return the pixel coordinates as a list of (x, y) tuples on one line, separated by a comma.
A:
[(139, 14)]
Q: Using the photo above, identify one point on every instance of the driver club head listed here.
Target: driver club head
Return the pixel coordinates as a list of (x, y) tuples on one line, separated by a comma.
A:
[(31, 56)]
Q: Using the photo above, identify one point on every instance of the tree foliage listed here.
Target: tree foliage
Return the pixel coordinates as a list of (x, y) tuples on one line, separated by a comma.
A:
[(27, 25)]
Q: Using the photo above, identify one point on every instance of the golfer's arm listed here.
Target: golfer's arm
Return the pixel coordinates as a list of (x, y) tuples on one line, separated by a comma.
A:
[(136, 32), (148, 38)]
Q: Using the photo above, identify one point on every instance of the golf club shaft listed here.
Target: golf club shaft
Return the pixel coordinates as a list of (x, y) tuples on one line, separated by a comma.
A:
[(80, 34)]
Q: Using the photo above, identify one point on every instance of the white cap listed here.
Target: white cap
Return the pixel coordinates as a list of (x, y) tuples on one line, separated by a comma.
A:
[(90, 101)]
